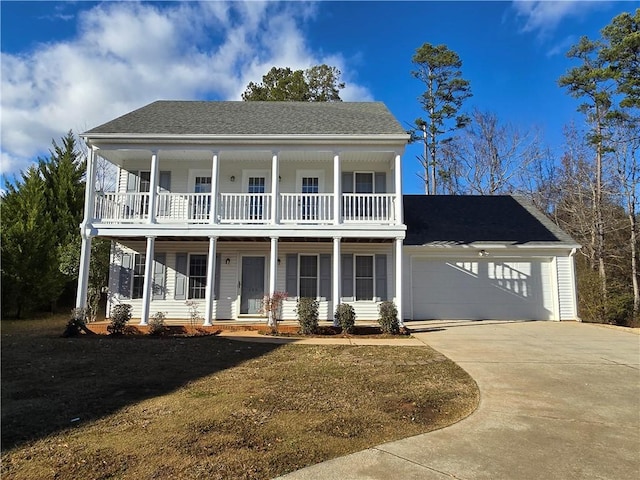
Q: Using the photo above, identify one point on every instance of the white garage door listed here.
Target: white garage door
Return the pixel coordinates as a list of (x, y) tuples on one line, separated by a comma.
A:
[(481, 289)]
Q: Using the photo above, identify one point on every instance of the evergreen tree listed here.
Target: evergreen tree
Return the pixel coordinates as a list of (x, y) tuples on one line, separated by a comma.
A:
[(30, 275), (320, 83), (439, 69)]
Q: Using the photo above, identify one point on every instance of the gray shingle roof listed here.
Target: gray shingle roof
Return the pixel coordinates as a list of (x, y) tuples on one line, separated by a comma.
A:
[(255, 118), (465, 219)]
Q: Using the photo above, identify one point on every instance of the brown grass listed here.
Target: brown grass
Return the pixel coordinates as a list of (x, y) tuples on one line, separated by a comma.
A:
[(207, 407)]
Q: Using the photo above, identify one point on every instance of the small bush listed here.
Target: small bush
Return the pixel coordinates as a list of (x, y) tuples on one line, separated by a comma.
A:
[(194, 313), (346, 317), (307, 311), (156, 323), (120, 315), (77, 323), (388, 318)]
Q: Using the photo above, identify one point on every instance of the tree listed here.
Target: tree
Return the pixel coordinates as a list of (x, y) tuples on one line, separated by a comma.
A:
[(590, 83), (439, 69), (324, 83), (320, 83), (30, 277), (63, 173), (622, 53), (489, 157)]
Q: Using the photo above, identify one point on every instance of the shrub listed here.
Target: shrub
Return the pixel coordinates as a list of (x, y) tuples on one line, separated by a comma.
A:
[(307, 311), (156, 323), (388, 318), (120, 315), (76, 323), (194, 313), (346, 317)]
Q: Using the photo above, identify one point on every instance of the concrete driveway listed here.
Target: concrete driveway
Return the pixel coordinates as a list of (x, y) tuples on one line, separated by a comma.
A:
[(558, 401)]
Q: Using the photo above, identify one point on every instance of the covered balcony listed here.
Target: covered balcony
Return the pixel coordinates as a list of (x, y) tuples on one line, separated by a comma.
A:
[(245, 208)]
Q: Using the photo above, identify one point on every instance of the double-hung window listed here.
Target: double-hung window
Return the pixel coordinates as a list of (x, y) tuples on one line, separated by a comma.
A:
[(364, 277), (138, 275), (308, 276), (200, 207), (197, 276)]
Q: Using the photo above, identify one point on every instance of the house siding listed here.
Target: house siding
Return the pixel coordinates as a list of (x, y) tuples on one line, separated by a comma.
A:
[(566, 288), (227, 306)]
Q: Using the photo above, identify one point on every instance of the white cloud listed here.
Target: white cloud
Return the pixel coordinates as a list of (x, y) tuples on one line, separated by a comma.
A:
[(544, 16), (126, 55)]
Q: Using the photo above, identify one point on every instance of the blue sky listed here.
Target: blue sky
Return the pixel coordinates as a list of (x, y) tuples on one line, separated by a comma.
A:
[(75, 65)]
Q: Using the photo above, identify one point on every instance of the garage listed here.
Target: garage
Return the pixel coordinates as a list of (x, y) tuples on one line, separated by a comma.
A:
[(485, 257), (481, 288)]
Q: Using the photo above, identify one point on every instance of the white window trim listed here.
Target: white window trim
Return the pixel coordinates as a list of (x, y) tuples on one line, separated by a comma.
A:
[(317, 272), (246, 174), (193, 173), (133, 275), (189, 255), (374, 298), (319, 174)]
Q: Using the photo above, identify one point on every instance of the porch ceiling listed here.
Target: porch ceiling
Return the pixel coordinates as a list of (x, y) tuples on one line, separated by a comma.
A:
[(120, 156)]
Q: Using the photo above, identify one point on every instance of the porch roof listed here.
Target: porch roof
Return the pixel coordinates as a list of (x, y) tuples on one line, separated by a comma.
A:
[(175, 118)]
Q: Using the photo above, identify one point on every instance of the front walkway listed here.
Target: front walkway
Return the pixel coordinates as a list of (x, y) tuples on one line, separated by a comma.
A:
[(558, 401)]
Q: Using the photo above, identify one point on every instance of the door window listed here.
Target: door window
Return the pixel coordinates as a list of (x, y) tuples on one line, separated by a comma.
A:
[(310, 203), (256, 202)]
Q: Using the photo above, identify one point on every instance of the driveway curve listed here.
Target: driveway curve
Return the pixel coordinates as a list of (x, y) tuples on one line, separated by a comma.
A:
[(558, 401)]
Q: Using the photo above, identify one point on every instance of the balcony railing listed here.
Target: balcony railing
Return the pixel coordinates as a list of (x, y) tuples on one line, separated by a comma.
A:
[(246, 208), (306, 207), (368, 207)]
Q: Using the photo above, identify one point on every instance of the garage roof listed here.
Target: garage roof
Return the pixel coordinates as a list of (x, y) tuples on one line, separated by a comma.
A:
[(467, 219)]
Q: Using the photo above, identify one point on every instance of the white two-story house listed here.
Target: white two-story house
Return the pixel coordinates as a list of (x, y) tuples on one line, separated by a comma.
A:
[(220, 204)]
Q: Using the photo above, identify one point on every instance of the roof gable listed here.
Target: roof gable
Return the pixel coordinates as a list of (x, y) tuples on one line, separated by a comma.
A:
[(254, 118)]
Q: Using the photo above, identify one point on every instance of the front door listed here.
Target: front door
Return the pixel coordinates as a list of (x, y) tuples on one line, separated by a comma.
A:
[(252, 290)]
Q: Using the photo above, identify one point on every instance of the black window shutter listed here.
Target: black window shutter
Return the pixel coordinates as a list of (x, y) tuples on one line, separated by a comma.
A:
[(347, 275), (126, 275), (159, 276), (216, 280), (181, 277), (325, 276), (292, 275), (381, 276), (381, 182)]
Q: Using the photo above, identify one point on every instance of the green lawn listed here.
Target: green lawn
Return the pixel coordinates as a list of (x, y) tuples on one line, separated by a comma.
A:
[(206, 407)]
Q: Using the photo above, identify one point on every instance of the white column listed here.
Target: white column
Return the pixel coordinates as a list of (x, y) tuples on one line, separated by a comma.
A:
[(83, 273), (337, 276), (211, 280), (273, 268), (153, 187), (398, 188), (398, 273), (337, 189), (213, 203), (90, 188), (275, 188), (147, 289)]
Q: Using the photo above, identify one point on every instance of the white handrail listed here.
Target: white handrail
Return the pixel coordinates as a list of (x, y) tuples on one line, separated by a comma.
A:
[(368, 207), (244, 207), (306, 207)]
